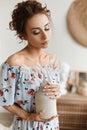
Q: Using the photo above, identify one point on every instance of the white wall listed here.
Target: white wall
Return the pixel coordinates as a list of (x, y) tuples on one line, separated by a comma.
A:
[(62, 44)]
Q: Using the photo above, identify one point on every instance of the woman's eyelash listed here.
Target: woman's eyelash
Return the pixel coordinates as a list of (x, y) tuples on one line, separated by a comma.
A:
[(36, 33), (47, 29)]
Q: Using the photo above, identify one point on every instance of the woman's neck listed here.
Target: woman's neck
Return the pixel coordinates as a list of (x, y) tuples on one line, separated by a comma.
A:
[(34, 54)]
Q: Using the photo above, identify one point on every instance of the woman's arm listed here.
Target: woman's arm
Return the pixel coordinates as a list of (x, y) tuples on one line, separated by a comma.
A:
[(16, 110), (27, 116)]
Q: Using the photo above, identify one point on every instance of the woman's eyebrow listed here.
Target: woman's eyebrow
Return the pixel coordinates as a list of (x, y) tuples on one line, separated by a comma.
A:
[(35, 28), (47, 24), (39, 27)]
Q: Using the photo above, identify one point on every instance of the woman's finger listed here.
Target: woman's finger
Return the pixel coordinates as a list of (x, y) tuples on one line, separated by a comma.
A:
[(40, 112), (49, 119)]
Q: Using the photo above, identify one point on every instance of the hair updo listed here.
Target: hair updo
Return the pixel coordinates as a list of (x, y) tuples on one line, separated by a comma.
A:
[(22, 12)]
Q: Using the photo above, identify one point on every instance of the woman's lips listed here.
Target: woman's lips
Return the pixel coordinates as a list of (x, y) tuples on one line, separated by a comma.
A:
[(45, 43)]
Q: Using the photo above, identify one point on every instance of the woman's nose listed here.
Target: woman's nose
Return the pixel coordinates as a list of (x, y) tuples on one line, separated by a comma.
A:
[(44, 35)]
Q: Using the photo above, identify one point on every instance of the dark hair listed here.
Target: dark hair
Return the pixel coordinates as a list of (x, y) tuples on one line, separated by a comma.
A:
[(22, 12)]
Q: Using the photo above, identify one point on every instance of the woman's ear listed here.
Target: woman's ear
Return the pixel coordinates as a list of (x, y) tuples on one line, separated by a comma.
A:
[(24, 37)]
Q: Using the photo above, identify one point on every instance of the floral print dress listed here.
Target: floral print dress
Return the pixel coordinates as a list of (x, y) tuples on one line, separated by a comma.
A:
[(18, 84)]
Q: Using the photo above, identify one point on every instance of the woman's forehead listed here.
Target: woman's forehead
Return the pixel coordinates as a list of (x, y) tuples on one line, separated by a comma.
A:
[(38, 20)]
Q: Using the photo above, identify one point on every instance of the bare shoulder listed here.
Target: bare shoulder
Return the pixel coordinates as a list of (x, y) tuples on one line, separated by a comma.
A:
[(15, 59)]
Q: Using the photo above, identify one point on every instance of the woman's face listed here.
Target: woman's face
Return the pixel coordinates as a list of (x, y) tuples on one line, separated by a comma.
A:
[(38, 31)]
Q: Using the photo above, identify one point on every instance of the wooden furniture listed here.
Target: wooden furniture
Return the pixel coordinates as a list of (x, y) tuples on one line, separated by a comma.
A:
[(72, 110)]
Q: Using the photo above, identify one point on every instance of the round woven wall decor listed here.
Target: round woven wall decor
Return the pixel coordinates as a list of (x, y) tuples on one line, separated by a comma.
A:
[(77, 21)]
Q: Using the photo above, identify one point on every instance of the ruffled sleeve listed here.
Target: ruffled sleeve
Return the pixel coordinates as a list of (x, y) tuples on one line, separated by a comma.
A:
[(64, 69), (7, 84), (54, 62), (60, 68)]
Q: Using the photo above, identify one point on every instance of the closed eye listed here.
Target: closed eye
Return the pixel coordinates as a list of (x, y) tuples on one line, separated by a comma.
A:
[(36, 31), (47, 27)]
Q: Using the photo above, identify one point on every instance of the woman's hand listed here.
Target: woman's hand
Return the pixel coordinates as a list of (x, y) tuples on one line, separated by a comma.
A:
[(52, 90), (37, 117)]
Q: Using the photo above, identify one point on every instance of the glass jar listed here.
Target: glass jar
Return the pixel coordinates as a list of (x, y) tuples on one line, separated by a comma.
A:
[(45, 103)]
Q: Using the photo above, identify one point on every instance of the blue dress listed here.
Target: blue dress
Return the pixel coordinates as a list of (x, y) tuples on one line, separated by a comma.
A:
[(18, 84)]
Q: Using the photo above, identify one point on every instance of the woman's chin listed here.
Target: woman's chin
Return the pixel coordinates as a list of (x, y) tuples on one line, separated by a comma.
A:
[(44, 47)]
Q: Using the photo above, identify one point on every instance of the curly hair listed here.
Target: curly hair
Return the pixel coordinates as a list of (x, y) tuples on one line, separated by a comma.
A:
[(22, 12)]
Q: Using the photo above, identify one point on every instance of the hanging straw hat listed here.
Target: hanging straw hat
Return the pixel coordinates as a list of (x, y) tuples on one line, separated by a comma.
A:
[(77, 21)]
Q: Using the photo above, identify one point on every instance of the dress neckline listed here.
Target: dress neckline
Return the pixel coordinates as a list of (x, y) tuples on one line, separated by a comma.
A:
[(26, 66), (51, 61)]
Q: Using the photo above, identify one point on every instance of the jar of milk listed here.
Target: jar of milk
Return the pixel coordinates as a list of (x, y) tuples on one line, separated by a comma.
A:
[(45, 103)]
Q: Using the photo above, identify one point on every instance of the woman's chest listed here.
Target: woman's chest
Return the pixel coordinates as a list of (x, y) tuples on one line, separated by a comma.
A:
[(29, 81)]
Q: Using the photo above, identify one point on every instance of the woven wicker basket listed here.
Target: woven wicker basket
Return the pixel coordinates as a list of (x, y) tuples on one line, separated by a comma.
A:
[(72, 110)]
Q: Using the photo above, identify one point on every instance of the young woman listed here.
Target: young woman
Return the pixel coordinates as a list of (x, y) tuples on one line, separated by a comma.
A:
[(21, 74)]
